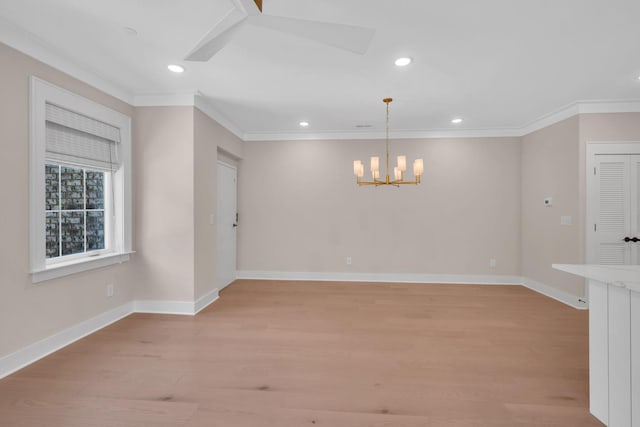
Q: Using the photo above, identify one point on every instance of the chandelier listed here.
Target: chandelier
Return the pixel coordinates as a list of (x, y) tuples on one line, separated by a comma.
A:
[(398, 171)]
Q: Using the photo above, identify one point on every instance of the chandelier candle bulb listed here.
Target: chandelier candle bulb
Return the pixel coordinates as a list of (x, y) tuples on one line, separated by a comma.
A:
[(375, 163), (402, 163), (398, 171), (418, 167)]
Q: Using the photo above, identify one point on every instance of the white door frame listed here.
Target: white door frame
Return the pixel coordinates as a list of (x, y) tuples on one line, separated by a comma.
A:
[(594, 149)]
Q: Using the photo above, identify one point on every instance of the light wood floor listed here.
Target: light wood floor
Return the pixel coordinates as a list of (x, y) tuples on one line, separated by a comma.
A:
[(322, 354)]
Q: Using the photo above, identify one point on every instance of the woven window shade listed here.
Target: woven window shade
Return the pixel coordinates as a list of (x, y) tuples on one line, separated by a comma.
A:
[(80, 140)]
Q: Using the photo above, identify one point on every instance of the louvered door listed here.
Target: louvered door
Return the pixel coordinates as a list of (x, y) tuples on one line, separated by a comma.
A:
[(616, 209)]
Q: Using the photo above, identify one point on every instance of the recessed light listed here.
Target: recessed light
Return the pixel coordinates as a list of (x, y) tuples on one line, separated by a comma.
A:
[(403, 62), (456, 121), (176, 68), (304, 124)]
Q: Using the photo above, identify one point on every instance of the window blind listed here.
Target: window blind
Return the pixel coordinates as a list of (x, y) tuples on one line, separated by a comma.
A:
[(80, 140)]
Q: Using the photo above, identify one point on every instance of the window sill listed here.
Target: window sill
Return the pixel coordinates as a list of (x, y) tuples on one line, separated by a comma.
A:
[(64, 269)]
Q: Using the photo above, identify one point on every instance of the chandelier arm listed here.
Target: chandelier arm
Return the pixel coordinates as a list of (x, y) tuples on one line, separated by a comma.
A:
[(401, 181), (376, 182)]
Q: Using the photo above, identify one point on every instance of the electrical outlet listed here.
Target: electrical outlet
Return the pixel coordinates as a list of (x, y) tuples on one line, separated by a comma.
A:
[(492, 263), (110, 290), (348, 260)]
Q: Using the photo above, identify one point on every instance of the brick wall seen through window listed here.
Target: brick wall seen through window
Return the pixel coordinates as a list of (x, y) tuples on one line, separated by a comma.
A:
[(75, 210)]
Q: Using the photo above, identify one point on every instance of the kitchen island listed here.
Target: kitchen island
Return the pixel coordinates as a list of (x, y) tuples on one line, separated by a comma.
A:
[(614, 341)]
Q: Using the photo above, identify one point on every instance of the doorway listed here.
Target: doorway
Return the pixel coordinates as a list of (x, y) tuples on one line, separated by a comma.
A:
[(613, 203), (226, 224)]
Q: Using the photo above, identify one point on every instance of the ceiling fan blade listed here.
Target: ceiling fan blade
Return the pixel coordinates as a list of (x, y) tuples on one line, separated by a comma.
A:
[(218, 37), (251, 7), (347, 37)]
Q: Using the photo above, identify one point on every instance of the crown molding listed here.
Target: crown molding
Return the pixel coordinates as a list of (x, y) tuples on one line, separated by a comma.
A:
[(201, 103), (165, 100), (33, 46), (615, 106), (189, 99), (581, 107), (394, 134)]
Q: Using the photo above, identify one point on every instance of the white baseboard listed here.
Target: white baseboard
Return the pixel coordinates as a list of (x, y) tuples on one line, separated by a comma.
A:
[(185, 308), (36, 351), (549, 291), (205, 300), (556, 294), (164, 307), (382, 277)]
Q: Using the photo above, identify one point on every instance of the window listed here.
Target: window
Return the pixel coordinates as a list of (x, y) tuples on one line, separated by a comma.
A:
[(75, 211), (80, 183)]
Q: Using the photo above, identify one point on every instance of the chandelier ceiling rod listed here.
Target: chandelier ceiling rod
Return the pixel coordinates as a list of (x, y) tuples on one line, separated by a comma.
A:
[(398, 171)]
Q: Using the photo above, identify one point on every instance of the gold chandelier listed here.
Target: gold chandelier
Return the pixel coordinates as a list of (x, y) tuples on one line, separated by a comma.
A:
[(398, 171)]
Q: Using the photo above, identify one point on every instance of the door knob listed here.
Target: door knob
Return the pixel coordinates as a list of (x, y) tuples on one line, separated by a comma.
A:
[(631, 239), (235, 225)]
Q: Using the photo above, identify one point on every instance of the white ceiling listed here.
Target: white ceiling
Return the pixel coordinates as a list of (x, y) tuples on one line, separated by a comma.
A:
[(499, 64)]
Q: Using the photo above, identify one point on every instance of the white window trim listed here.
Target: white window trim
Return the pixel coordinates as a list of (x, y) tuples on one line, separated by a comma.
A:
[(42, 92), (108, 234)]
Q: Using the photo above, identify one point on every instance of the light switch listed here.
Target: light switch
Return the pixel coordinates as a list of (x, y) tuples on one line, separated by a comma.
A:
[(212, 219)]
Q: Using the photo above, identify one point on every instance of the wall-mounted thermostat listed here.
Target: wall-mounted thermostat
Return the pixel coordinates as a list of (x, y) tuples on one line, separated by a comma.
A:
[(548, 201)]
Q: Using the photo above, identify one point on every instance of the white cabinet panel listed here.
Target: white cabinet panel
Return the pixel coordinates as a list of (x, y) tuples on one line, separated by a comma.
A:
[(598, 351), (619, 357), (635, 358)]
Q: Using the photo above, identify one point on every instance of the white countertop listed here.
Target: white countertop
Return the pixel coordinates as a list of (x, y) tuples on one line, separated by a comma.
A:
[(629, 275)]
